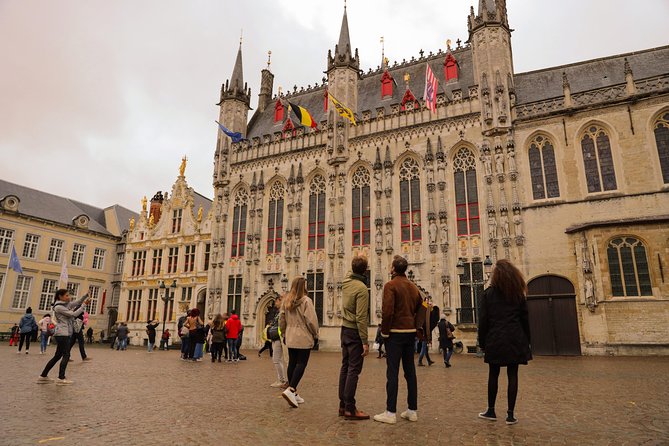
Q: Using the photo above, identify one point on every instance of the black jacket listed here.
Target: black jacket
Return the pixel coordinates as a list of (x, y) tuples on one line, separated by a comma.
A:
[(445, 341), (504, 329)]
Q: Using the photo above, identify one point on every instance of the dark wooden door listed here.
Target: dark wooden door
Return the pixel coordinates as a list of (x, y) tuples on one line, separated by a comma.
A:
[(551, 304)]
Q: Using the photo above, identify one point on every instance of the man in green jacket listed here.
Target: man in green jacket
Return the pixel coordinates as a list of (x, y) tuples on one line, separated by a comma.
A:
[(354, 347)]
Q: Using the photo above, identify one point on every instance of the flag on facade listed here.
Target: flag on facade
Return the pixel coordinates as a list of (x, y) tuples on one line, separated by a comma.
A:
[(235, 136), (343, 110), (14, 261), (303, 115), (63, 272), (430, 94)]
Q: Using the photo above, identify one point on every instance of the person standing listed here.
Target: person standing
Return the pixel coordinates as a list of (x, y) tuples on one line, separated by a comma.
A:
[(379, 340), (274, 335), (165, 340), (504, 333), (64, 313), (14, 339), (122, 336), (151, 333), (89, 335), (233, 328), (217, 338), (78, 334), (446, 337), (299, 323), (192, 324), (183, 334), (402, 316), (27, 325), (431, 320), (113, 333), (354, 337), (45, 328)]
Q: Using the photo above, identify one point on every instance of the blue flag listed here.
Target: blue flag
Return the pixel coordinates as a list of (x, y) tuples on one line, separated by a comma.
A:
[(235, 136), (14, 262)]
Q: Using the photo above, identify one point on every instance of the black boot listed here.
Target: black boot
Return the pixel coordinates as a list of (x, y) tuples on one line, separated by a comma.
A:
[(510, 419), (489, 414)]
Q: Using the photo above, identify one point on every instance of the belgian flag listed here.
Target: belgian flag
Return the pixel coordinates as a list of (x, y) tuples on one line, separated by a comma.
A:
[(303, 115)]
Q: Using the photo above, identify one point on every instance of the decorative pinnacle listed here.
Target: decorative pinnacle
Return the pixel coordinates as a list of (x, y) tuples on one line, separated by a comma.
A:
[(448, 44), (269, 59), (241, 36)]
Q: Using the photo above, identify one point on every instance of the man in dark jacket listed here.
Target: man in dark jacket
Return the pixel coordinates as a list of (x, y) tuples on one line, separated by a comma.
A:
[(446, 337), (401, 320), (354, 346)]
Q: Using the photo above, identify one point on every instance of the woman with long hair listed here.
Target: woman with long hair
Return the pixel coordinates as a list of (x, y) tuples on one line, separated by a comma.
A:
[(194, 325), (299, 325), (504, 332), (217, 335)]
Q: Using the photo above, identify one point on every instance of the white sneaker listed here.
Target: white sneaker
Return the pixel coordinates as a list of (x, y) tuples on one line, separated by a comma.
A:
[(19, 352), (44, 380), (386, 417), (289, 396), (63, 382), (276, 384), (299, 399), (410, 415)]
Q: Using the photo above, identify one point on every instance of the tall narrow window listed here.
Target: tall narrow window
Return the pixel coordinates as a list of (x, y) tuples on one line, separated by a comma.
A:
[(49, 287), (187, 294), (662, 142), (78, 251), (410, 221), (315, 288), (386, 85), (6, 236), (156, 261), (134, 305), (466, 193), (360, 212), (176, 220), (471, 287), (98, 258), (278, 111), (120, 257), (73, 290), (55, 250), (153, 304), (93, 294), (30, 246), (138, 263), (207, 256), (239, 223), (450, 68), (542, 169), (628, 267), (172, 259), (235, 293), (600, 173), (189, 258), (275, 218), (22, 291), (317, 213)]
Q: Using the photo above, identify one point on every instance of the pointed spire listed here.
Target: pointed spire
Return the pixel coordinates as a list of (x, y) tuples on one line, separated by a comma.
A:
[(253, 183), (235, 88), (342, 54), (291, 177), (237, 79), (299, 178), (440, 150), (377, 162), (344, 45), (429, 156), (388, 162), (261, 182)]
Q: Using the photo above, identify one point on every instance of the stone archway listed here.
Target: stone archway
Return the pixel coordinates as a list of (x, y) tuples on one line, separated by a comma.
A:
[(201, 302), (265, 302)]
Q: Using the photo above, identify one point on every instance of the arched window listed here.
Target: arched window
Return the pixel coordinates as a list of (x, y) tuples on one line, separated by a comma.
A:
[(628, 267), (317, 213), (466, 193), (239, 223), (662, 142), (360, 212), (542, 169), (275, 218), (410, 222), (598, 163)]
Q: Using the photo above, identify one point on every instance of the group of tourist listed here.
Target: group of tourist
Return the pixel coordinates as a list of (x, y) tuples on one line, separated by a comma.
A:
[(292, 322)]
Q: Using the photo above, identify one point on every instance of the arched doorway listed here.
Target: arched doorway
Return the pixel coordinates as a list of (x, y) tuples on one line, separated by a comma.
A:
[(113, 316), (201, 303), (551, 303), (265, 303)]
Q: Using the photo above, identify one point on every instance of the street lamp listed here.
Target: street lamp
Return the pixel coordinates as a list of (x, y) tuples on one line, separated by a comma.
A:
[(460, 267), (487, 266), (167, 295), (284, 283)]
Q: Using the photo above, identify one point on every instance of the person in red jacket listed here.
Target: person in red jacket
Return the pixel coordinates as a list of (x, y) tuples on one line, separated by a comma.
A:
[(233, 327)]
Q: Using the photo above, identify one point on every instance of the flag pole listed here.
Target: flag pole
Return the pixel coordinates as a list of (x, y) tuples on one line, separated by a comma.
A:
[(5, 278)]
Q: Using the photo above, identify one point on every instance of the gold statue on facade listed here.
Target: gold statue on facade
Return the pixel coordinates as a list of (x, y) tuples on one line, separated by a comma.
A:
[(182, 167), (144, 204), (199, 214), (151, 221), (132, 223)]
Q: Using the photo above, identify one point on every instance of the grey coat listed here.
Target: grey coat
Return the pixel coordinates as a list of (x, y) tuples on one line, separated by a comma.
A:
[(65, 313)]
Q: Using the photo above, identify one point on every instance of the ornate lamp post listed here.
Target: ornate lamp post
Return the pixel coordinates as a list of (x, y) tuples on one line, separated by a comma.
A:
[(167, 295), (487, 267)]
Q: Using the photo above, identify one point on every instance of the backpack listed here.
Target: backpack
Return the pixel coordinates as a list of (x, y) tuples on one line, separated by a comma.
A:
[(50, 329)]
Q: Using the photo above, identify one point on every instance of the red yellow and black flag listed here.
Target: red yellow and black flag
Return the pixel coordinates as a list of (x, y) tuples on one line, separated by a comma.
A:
[(303, 115)]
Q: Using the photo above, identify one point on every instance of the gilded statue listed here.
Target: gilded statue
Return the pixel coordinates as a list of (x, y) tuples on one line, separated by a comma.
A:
[(199, 214), (144, 204), (132, 223), (182, 167), (151, 221)]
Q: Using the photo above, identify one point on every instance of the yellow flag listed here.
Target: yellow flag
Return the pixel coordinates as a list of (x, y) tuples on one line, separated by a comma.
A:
[(343, 110)]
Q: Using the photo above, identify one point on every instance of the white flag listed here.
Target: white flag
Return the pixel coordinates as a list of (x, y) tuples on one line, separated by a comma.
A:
[(63, 272)]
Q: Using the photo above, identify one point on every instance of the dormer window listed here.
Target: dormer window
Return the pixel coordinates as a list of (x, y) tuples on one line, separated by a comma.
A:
[(288, 127), (450, 68), (278, 111), (386, 85)]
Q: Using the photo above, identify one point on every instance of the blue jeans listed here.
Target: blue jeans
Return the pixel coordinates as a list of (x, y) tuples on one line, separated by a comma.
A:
[(44, 340), (198, 351), (232, 348), (424, 353), (149, 346), (185, 345), (122, 344)]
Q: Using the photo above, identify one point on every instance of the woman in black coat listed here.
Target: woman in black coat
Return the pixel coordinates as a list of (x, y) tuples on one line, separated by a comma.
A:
[(504, 332)]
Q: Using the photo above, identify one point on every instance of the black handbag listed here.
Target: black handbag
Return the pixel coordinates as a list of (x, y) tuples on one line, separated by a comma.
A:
[(273, 333)]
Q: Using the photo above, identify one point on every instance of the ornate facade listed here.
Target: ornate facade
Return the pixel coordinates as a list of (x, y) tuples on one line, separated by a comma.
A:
[(565, 171)]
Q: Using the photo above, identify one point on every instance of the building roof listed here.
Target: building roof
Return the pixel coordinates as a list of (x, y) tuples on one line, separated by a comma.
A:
[(369, 90), (545, 84), (62, 210), (201, 200), (237, 78)]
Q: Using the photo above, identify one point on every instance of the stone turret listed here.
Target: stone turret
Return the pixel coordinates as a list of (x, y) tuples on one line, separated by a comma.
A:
[(235, 99)]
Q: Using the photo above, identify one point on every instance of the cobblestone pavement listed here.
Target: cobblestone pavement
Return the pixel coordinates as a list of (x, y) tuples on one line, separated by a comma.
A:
[(133, 397)]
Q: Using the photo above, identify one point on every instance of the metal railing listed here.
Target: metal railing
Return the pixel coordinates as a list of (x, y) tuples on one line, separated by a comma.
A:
[(467, 315)]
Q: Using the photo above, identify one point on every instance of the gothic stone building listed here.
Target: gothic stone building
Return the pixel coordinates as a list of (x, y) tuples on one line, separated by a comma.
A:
[(564, 170)]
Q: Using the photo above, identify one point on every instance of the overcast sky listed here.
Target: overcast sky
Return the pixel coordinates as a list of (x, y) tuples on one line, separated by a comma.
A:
[(99, 100)]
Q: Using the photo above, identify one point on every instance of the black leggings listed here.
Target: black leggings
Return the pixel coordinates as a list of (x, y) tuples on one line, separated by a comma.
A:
[(216, 350), (62, 351), (298, 358), (512, 392), (267, 346), (26, 337)]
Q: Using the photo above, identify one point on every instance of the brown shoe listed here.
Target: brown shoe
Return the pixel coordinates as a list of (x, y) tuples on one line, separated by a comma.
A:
[(357, 415), (341, 411)]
